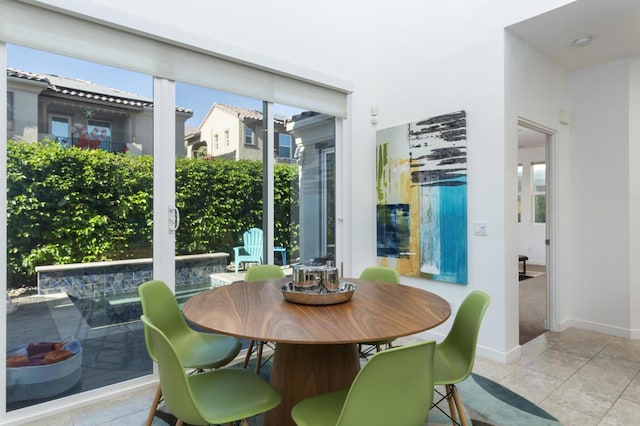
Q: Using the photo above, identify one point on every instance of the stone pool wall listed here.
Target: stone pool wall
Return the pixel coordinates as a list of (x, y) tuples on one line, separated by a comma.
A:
[(98, 279)]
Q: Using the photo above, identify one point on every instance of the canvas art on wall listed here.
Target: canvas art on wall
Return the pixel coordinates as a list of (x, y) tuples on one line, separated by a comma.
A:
[(421, 182)]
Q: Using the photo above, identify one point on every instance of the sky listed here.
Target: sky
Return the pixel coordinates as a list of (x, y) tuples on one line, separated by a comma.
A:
[(198, 99)]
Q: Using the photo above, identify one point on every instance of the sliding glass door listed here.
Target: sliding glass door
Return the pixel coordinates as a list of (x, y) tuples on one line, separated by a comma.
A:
[(219, 187), (79, 225), (251, 164)]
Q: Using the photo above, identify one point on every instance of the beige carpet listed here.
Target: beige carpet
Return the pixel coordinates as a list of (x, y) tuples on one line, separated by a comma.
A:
[(533, 305)]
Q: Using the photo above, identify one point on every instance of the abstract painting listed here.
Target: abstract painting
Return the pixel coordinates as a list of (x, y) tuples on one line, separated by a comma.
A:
[(421, 183)]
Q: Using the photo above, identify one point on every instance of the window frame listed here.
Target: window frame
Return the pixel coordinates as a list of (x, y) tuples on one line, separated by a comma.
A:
[(520, 177), (249, 136), (290, 146), (536, 194), (327, 210), (10, 105), (60, 118)]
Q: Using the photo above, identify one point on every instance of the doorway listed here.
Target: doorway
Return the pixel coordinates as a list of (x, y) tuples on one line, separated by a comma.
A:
[(534, 222)]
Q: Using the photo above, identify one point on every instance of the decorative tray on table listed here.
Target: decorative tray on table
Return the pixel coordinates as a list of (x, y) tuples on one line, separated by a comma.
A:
[(318, 295)]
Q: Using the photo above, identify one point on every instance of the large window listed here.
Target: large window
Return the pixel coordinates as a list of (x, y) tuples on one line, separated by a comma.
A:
[(112, 344), (539, 192)]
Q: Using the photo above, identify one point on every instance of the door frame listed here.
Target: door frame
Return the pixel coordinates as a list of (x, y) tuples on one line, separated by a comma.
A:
[(164, 210), (552, 216)]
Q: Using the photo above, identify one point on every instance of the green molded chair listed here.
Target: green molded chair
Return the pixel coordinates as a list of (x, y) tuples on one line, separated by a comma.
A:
[(380, 273), (197, 350), (260, 273), (395, 387), (456, 354), (214, 397), (377, 273)]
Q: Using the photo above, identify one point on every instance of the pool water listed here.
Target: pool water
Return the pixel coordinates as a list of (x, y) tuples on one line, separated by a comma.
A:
[(112, 310)]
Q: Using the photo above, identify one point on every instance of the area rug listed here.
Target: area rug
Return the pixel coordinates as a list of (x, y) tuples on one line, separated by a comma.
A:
[(487, 403)]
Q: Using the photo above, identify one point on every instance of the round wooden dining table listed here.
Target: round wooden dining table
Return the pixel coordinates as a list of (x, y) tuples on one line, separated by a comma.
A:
[(316, 345)]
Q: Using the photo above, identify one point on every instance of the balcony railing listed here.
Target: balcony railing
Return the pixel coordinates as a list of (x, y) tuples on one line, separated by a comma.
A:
[(115, 147)]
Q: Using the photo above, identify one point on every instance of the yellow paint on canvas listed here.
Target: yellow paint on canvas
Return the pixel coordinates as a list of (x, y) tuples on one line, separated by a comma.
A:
[(394, 187)]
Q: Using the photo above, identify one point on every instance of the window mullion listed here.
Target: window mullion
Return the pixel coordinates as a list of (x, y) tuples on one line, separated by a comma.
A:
[(268, 181), (163, 180)]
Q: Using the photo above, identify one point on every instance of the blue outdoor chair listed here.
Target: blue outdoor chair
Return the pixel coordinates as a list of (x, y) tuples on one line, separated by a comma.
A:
[(251, 250)]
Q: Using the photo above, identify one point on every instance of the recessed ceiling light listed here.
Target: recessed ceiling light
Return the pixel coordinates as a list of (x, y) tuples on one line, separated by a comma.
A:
[(582, 41)]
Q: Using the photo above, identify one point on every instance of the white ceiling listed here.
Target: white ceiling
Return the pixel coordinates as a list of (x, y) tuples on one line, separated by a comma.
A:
[(528, 138), (613, 24)]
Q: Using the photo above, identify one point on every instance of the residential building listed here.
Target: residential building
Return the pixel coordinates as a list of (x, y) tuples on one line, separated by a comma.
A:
[(82, 113), (236, 133), (313, 134)]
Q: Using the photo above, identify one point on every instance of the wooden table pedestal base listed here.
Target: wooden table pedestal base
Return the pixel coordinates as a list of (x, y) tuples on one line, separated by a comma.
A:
[(301, 371)]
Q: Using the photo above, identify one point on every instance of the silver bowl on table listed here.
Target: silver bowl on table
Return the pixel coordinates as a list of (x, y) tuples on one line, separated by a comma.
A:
[(318, 296)]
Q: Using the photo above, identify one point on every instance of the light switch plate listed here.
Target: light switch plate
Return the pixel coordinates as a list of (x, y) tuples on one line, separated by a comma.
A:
[(480, 228)]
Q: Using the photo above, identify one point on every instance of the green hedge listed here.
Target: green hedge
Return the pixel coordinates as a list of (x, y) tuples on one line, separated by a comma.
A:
[(69, 205)]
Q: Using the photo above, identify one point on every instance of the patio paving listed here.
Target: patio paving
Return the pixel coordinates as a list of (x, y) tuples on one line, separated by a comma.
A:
[(111, 354)]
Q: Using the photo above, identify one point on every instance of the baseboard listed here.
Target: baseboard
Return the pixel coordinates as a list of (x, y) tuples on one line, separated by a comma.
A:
[(600, 328), (497, 356)]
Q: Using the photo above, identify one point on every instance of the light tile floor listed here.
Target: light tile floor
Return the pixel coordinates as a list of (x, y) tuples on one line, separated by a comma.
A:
[(580, 377)]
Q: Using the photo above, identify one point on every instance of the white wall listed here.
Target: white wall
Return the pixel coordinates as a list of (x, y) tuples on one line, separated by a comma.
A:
[(599, 250), (597, 198), (430, 62), (422, 70), (25, 109), (531, 235), (536, 90)]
